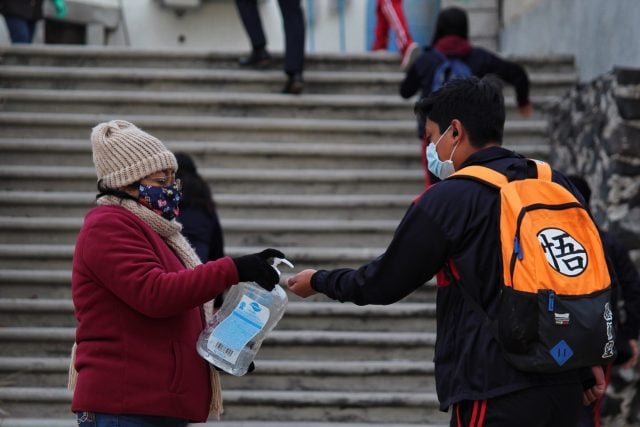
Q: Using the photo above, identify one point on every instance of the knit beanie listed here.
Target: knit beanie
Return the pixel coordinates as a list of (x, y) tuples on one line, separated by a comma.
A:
[(124, 154)]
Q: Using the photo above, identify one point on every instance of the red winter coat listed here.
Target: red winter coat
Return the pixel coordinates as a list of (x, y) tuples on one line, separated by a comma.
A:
[(139, 316)]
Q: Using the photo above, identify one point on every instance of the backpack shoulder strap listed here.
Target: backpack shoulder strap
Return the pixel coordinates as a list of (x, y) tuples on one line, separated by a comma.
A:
[(544, 170), (484, 174), (439, 54)]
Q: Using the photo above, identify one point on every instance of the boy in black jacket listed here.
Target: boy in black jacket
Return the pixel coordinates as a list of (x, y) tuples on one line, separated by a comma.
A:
[(456, 223)]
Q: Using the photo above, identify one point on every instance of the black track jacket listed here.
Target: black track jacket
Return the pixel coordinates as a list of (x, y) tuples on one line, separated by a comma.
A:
[(456, 220)]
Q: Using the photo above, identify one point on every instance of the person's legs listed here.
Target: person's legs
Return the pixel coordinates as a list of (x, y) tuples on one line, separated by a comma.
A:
[(293, 21), (542, 406), (394, 14), (381, 34), (20, 30), (294, 32), (398, 21), (250, 16), (248, 11)]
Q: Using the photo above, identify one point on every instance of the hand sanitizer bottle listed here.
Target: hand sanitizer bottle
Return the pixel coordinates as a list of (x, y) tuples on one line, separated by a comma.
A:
[(234, 335)]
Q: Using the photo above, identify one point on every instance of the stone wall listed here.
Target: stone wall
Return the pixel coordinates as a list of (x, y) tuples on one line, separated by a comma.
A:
[(595, 133)]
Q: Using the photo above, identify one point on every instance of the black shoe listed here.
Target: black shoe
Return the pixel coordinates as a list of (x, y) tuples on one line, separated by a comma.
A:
[(294, 85), (258, 58)]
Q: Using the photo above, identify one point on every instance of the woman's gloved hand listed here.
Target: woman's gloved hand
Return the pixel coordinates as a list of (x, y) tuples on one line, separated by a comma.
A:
[(61, 8), (257, 268)]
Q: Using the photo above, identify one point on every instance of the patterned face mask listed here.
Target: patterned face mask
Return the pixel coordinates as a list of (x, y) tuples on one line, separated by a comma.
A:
[(162, 200)]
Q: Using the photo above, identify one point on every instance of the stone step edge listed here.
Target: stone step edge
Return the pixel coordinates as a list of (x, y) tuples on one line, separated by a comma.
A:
[(253, 149), (235, 174), (294, 308), (87, 198), (536, 78), (145, 53), (19, 250), (264, 397), (244, 124), (276, 225), (242, 99), (182, 53), (265, 367), (277, 337), (71, 422), (63, 277)]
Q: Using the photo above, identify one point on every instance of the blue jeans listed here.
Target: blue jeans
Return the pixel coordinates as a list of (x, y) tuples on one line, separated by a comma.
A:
[(20, 30), (92, 419)]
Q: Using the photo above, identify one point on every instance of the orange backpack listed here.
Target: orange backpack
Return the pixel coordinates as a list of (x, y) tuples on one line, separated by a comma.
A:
[(555, 304)]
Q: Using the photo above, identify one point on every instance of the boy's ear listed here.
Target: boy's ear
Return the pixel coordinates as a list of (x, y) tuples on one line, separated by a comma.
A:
[(456, 126)]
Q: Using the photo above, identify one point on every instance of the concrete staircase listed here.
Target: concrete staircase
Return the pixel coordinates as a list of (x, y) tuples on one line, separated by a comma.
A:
[(325, 177)]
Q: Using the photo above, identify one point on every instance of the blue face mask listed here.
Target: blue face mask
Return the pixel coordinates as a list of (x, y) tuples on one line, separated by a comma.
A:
[(162, 200), (441, 169)]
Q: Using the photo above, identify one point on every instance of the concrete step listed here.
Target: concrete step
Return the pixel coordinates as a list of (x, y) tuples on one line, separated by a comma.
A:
[(182, 58), (120, 56), (237, 231), (264, 404), (230, 104), (42, 125), (302, 206), (279, 182), (71, 422), (253, 155), (305, 315), (200, 80), (14, 255), (197, 80), (225, 154), (367, 375), (280, 344), (34, 283)]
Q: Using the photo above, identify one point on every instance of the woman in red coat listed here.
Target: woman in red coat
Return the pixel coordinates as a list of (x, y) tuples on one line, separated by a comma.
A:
[(138, 290)]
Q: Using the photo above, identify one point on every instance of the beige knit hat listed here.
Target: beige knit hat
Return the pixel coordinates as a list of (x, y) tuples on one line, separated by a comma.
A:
[(124, 154)]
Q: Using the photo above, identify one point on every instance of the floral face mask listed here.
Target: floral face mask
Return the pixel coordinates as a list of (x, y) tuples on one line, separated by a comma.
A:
[(164, 201)]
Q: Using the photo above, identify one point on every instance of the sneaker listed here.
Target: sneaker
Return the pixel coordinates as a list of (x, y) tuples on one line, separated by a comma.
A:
[(410, 56), (294, 85), (258, 58)]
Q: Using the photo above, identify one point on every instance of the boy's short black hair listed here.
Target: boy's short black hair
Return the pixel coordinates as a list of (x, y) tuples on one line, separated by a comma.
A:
[(477, 103)]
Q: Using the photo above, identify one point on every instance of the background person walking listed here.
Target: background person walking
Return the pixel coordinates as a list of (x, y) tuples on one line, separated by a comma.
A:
[(294, 32), (21, 17)]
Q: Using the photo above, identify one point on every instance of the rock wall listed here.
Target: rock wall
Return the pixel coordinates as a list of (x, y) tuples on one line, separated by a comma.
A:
[(595, 133)]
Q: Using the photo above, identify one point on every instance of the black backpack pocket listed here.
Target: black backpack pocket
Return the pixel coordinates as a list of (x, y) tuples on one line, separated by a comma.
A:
[(568, 334)]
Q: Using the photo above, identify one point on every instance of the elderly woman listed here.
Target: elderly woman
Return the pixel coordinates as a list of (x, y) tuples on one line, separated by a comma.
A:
[(138, 289)]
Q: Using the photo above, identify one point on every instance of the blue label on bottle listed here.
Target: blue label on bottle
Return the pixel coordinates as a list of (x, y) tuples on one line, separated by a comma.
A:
[(233, 333)]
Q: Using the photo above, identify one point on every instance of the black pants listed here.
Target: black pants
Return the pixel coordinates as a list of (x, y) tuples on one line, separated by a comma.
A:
[(542, 406), (293, 20)]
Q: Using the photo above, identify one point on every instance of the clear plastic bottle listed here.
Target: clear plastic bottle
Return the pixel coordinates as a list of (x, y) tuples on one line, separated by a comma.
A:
[(233, 337)]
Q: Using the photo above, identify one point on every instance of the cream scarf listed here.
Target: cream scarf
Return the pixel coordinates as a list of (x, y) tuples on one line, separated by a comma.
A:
[(170, 232)]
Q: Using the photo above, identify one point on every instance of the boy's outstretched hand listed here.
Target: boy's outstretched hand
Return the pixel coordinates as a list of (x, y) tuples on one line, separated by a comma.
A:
[(300, 284)]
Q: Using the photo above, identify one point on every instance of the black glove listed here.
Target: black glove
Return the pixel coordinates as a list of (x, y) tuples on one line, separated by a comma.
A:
[(251, 368), (257, 268)]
